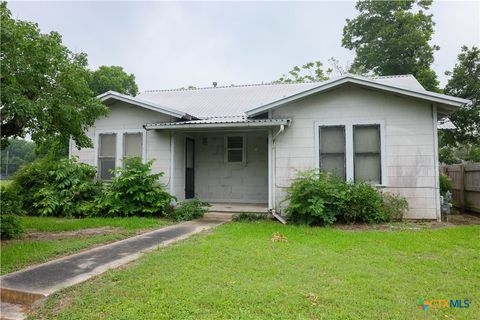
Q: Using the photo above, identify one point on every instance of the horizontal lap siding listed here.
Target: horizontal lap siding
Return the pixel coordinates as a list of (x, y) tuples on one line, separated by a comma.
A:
[(409, 141), (123, 116)]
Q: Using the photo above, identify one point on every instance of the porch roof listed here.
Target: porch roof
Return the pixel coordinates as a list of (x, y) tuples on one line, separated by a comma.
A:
[(221, 122)]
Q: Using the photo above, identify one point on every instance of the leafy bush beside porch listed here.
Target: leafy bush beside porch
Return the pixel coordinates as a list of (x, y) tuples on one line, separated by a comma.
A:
[(319, 198)]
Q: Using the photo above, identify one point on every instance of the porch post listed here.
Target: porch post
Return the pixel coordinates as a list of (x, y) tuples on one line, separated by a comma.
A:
[(172, 163), (270, 168)]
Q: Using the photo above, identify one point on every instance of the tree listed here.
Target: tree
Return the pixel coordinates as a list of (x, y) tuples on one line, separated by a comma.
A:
[(113, 78), (311, 71), (392, 38), (465, 83), (44, 86)]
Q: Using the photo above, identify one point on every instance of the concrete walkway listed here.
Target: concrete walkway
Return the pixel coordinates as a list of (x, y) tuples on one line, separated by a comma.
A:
[(26, 286)]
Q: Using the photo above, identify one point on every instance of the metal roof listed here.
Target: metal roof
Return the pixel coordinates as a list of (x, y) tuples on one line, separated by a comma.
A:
[(445, 124), (219, 122), (249, 100)]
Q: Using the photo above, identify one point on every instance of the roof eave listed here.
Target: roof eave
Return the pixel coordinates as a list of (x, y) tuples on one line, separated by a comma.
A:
[(144, 104), (427, 95), (215, 125)]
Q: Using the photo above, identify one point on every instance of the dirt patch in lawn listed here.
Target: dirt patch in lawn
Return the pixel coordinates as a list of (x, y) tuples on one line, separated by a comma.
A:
[(453, 220), (69, 234)]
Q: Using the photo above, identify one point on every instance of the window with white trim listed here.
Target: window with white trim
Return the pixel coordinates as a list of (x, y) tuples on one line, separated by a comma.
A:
[(332, 149), (235, 148), (113, 146), (132, 144), (352, 150), (367, 153), (107, 155)]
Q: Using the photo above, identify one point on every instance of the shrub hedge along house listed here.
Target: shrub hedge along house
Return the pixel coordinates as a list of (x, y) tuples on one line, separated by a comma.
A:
[(245, 144)]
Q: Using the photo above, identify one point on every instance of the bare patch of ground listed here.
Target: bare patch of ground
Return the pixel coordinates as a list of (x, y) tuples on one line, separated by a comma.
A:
[(453, 220), (68, 234)]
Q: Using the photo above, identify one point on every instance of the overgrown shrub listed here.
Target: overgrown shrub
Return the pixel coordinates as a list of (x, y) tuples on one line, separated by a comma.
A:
[(134, 191), (394, 206), (250, 217), (445, 184), (10, 226), (319, 198), (364, 203), (316, 198), (189, 210), (63, 188), (11, 200)]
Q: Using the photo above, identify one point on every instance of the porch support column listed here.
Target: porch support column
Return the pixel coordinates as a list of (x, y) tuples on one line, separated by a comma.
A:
[(270, 171), (172, 163)]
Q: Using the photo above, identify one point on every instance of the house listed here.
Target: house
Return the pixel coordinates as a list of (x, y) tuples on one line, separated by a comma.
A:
[(245, 144)]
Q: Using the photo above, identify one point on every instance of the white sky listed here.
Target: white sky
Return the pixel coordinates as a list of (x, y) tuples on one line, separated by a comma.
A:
[(175, 44)]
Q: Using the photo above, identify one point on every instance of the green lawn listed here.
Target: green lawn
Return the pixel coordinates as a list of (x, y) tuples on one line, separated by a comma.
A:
[(17, 254), (237, 272)]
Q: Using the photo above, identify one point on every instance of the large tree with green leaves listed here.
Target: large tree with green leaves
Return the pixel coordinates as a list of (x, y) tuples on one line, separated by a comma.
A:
[(463, 142), (44, 86), (113, 78), (464, 82), (392, 38)]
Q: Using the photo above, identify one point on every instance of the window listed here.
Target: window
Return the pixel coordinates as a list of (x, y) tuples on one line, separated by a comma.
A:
[(235, 148), (366, 146), (332, 149), (107, 155), (132, 145), (352, 149)]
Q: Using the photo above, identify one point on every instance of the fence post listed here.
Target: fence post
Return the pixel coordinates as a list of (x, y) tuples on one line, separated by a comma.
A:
[(462, 187)]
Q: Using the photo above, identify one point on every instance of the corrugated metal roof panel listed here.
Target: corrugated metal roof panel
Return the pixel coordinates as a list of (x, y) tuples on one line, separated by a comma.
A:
[(232, 101), (215, 122)]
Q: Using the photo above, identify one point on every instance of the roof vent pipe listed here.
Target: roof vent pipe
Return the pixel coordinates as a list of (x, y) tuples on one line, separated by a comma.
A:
[(215, 84)]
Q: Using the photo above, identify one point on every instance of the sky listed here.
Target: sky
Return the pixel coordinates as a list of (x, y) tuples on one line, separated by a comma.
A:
[(176, 44)]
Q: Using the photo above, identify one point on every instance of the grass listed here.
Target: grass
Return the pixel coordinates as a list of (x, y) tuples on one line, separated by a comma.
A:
[(237, 272), (17, 254), (5, 183)]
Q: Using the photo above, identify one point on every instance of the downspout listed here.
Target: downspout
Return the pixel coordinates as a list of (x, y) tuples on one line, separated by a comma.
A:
[(274, 173), (436, 166)]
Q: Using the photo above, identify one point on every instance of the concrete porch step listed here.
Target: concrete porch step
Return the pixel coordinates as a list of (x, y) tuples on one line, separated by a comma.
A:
[(11, 311), (218, 216)]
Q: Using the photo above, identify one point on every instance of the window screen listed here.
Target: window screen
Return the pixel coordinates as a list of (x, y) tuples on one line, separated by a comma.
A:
[(106, 155), (235, 149), (366, 144), (132, 145), (332, 149)]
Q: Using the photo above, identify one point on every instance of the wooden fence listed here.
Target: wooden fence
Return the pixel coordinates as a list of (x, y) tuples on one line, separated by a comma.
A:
[(466, 185)]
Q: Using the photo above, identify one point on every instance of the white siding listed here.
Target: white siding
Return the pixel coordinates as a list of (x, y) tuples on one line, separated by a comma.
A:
[(409, 141), (124, 116)]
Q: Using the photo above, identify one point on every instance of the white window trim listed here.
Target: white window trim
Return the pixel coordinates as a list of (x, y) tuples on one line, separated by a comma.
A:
[(349, 152), (120, 143), (244, 147)]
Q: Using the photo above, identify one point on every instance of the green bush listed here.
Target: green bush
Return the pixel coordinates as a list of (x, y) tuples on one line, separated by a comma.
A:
[(364, 203), (250, 217), (316, 198), (62, 188), (134, 191), (189, 210), (445, 184), (11, 200), (319, 198), (10, 226), (394, 206)]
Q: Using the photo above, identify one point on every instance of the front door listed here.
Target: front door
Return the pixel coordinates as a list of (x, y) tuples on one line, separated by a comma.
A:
[(189, 168)]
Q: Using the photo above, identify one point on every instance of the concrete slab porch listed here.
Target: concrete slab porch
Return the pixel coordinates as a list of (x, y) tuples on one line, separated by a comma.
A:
[(229, 207)]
